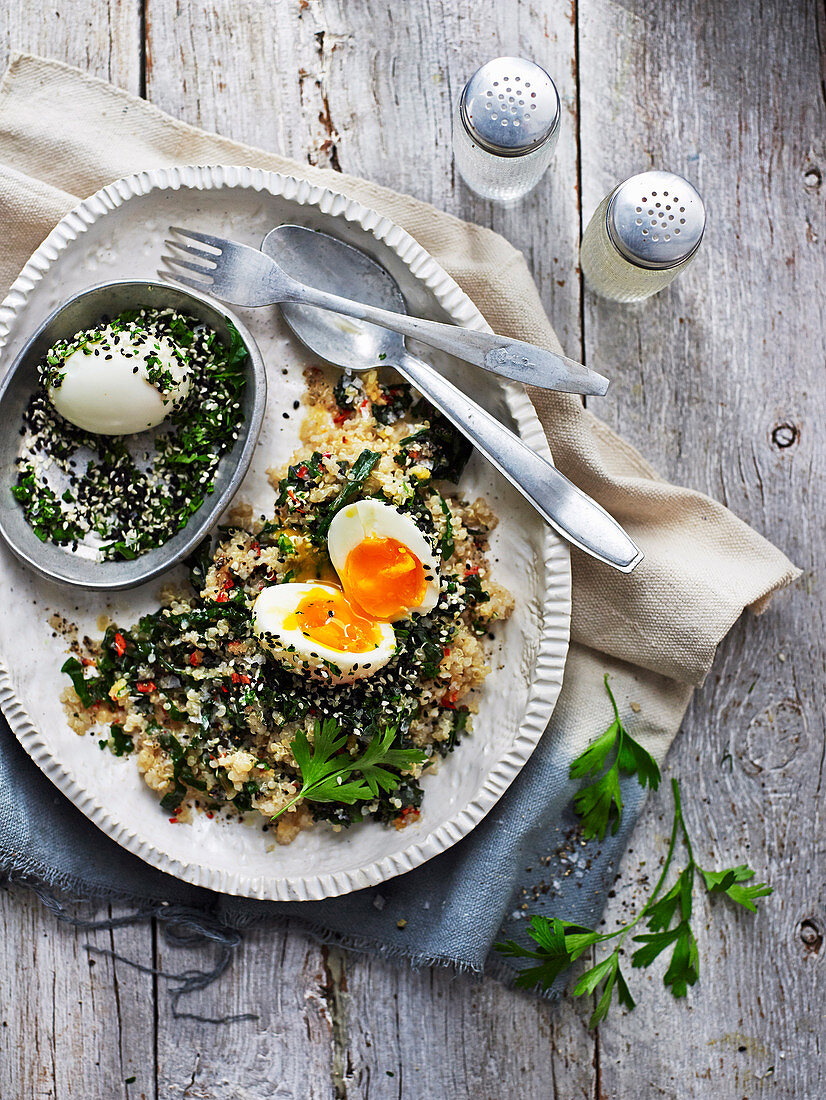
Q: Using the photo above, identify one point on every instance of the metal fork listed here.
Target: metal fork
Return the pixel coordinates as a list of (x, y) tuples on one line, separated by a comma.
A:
[(244, 276)]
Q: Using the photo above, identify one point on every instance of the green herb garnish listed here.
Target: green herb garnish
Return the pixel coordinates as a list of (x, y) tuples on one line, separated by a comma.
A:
[(42, 509), (600, 803), (559, 943), (352, 487), (89, 691), (118, 742), (330, 774), (439, 445), (446, 543)]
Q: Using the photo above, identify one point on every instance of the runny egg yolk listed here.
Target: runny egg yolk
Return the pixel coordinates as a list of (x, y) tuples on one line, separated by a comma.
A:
[(329, 619), (384, 577)]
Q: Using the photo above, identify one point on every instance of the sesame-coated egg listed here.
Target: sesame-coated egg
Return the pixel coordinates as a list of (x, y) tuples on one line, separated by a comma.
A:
[(385, 564), (311, 627), (120, 381)]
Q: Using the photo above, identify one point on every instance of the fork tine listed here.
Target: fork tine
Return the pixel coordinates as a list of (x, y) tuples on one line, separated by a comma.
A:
[(190, 250), (199, 269), (204, 238), (174, 277)]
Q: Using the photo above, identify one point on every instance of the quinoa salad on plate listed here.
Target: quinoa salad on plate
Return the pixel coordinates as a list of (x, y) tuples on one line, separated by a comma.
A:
[(323, 657)]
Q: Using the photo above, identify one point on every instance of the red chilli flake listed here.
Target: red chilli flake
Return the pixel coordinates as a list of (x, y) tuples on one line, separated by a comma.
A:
[(239, 678), (174, 821), (409, 812), (445, 650), (222, 597), (471, 570), (339, 417), (120, 644), (146, 688), (196, 658), (449, 700), (301, 471)]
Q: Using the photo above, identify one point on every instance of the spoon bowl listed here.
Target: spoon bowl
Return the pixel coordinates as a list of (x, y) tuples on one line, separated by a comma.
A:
[(324, 262)]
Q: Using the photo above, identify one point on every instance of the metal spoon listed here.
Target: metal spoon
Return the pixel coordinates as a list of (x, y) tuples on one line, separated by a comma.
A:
[(329, 264)]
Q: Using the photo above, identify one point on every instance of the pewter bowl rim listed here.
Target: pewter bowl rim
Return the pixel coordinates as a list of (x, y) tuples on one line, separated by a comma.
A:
[(119, 576)]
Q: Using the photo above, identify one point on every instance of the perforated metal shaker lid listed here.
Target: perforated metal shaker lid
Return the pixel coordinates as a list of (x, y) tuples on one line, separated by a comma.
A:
[(656, 219), (510, 106)]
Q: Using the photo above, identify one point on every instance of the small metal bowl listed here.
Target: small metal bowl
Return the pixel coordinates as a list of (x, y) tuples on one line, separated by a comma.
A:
[(85, 310)]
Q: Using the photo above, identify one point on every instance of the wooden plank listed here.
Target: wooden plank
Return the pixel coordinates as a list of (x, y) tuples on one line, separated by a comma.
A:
[(436, 1034), (74, 1025), (284, 978), (253, 72), (705, 375), (102, 37), (392, 82)]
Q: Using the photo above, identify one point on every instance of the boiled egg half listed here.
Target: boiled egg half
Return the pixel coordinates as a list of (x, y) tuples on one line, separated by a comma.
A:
[(312, 627), (121, 381), (386, 566)]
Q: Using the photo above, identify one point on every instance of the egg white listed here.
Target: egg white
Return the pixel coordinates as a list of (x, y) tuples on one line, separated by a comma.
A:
[(300, 654), (359, 521), (109, 396)]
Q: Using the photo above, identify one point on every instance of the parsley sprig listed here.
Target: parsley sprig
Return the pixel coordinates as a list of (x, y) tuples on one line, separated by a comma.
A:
[(330, 774), (559, 943), (600, 803)]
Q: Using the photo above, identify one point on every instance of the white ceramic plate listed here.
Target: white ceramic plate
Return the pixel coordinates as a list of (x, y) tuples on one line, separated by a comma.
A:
[(118, 234)]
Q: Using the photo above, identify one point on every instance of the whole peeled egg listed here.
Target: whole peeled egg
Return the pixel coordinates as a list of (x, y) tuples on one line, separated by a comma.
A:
[(385, 564), (311, 627), (120, 380)]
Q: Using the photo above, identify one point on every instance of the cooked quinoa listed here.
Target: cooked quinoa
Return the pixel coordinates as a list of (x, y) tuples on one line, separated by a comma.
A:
[(211, 719)]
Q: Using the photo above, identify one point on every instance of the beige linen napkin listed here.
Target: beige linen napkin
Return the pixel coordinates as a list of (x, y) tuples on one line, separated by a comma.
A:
[(656, 630)]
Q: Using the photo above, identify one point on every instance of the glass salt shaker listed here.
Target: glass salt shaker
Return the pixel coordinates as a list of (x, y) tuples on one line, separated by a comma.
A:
[(642, 236), (505, 128)]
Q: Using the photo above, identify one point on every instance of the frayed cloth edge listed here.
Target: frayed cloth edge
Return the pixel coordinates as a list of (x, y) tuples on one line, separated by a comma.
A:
[(26, 874)]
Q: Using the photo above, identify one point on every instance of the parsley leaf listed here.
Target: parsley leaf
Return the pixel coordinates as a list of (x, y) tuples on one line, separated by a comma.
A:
[(330, 774), (730, 883), (600, 803), (560, 943)]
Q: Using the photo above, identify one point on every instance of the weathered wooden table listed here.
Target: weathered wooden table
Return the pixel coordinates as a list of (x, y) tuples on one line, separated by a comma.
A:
[(718, 380)]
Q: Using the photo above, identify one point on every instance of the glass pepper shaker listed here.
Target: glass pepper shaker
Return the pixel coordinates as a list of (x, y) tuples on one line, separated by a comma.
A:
[(505, 128), (642, 236)]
